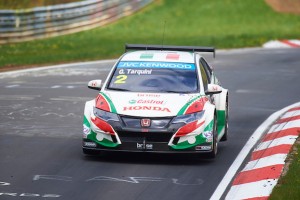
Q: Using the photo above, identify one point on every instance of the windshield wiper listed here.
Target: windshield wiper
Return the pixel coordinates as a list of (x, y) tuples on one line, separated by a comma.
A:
[(118, 89), (177, 92), (170, 91)]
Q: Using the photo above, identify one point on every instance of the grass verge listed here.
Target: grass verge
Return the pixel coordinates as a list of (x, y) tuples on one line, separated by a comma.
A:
[(24, 4), (289, 184), (219, 23)]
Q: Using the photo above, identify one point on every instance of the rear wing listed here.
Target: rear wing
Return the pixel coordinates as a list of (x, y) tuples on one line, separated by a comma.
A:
[(169, 48)]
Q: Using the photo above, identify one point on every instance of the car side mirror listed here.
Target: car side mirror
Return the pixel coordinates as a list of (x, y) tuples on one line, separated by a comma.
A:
[(213, 89), (95, 84)]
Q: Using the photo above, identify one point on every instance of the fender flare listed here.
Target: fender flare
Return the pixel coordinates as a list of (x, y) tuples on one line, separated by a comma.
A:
[(220, 99)]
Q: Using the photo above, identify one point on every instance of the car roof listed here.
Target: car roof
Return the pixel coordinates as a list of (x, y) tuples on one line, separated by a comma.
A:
[(159, 56)]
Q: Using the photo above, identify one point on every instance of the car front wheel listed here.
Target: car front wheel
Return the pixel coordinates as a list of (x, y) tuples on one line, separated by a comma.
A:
[(214, 151)]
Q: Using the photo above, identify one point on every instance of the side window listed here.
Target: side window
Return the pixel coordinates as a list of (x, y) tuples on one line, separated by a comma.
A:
[(204, 76), (207, 69)]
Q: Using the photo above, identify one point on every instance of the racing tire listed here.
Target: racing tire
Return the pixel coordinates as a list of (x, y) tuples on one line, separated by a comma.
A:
[(214, 151), (225, 136)]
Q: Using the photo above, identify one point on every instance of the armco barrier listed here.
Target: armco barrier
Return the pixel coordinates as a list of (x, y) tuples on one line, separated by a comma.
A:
[(49, 21)]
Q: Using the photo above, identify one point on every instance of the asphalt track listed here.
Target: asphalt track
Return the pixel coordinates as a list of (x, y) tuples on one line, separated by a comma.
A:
[(41, 126)]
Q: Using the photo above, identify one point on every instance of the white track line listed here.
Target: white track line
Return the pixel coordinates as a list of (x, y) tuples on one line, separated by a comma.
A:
[(53, 67)]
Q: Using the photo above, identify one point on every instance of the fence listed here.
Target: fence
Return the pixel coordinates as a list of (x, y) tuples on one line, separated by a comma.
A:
[(49, 21)]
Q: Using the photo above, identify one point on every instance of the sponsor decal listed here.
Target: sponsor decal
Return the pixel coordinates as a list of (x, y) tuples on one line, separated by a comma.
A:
[(207, 134), (148, 95), (152, 108), (203, 148), (86, 129), (132, 101), (89, 144), (158, 65), (94, 84), (121, 79), (148, 101), (135, 71), (209, 139), (144, 146), (215, 88), (121, 71)]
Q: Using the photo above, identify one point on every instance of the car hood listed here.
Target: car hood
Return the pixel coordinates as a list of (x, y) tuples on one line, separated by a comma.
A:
[(149, 104)]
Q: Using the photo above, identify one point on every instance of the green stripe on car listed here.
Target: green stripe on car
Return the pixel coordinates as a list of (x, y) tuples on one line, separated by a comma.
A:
[(112, 107)]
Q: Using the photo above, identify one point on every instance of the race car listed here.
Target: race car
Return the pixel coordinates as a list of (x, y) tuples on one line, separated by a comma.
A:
[(157, 98)]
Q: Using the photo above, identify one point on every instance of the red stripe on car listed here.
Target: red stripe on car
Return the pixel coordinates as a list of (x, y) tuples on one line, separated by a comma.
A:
[(196, 106), (103, 125), (102, 104), (188, 128)]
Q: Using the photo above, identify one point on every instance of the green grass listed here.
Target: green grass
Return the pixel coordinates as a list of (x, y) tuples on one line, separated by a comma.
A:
[(288, 186), (24, 4), (219, 23)]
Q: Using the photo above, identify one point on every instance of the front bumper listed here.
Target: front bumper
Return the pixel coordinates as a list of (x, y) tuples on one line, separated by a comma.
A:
[(153, 139), (143, 146)]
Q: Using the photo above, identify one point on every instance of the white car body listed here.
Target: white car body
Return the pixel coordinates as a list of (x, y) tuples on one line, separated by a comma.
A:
[(188, 117)]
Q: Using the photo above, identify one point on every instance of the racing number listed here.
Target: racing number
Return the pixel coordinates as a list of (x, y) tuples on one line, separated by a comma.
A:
[(120, 79)]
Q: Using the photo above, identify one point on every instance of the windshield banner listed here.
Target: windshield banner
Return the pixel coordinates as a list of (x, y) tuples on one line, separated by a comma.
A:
[(157, 65)]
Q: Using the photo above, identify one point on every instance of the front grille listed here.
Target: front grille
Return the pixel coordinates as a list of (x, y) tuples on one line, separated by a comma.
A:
[(156, 123), (128, 136)]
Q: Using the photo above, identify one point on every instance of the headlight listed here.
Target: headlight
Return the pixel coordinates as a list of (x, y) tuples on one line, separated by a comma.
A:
[(104, 115), (188, 118)]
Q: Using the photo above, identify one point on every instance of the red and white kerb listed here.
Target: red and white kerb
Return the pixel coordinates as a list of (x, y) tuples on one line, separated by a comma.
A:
[(257, 180)]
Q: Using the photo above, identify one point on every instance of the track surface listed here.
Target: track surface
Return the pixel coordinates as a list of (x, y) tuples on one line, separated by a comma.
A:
[(41, 126)]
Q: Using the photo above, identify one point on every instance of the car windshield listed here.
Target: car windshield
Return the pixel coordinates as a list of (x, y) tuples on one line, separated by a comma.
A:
[(142, 76)]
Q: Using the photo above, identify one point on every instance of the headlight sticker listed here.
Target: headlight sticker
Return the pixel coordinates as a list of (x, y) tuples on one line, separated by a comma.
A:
[(86, 130), (208, 135)]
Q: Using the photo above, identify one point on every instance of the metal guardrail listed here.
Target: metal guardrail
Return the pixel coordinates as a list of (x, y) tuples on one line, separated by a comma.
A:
[(50, 21)]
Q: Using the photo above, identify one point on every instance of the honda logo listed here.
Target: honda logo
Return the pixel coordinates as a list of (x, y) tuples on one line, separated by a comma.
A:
[(145, 122)]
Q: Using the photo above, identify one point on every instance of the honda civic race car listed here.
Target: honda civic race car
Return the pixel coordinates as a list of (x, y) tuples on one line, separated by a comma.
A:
[(157, 99)]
